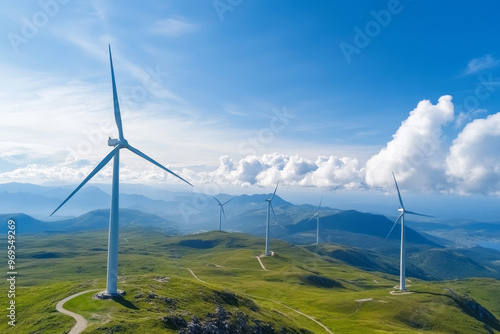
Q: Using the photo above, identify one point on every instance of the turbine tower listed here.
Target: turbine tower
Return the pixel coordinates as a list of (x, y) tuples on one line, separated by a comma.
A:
[(270, 207), (118, 144), (317, 220), (221, 211), (402, 259)]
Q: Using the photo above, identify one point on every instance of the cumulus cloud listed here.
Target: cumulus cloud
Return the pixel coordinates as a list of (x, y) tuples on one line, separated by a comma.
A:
[(415, 154), (259, 171), (473, 163), (293, 170)]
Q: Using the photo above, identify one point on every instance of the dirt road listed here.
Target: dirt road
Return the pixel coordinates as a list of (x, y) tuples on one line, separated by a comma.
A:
[(81, 323)]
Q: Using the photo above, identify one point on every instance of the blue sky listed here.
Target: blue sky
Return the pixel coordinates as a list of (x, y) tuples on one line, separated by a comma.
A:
[(240, 94)]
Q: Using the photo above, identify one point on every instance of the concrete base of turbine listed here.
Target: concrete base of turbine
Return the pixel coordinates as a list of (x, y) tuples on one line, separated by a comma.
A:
[(104, 295), (400, 293)]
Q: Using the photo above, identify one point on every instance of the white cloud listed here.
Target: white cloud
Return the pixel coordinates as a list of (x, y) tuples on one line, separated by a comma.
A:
[(415, 154), (45, 123), (473, 163), (75, 171), (479, 64), (292, 170), (173, 27)]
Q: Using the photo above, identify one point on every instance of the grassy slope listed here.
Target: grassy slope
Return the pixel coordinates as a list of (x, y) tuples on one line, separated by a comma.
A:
[(76, 262)]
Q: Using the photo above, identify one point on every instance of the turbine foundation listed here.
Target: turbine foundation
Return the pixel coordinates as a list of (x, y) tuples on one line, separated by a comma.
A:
[(104, 295)]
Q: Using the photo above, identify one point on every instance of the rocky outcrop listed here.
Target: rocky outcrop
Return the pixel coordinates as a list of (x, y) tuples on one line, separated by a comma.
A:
[(174, 322), (223, 322)]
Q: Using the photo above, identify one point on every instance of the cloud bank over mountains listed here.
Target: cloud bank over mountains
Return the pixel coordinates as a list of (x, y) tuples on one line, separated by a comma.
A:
[(419, 154)]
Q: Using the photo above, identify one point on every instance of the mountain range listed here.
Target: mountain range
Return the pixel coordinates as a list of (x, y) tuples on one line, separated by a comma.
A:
[(363, 235)]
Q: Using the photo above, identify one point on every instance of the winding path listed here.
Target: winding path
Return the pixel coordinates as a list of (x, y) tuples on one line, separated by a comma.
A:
[(196, 276), (81, 323), (261, 264), (303, 314)]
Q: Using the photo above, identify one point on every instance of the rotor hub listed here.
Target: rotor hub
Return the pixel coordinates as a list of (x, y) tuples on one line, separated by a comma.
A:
[(124, 143)]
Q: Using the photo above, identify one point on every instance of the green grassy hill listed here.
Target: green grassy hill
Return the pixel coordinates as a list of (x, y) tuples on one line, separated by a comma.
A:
[(300, 292), (426, 264), (369, 260), (443, 263)]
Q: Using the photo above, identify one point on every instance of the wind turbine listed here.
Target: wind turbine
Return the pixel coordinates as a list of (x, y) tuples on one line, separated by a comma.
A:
[(118, 144), (402, 259), (270, 207), (317, 220), (221, 211)]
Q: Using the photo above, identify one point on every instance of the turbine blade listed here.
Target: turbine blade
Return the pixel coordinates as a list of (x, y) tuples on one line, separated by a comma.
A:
[(275, 190), (223, 212), (118, 117), (311, 218), (91, 175), (142, 155), (393, 226), (216, 200), (320, 201), (399, 194), (228, 201), (272, 209), (417, 214)]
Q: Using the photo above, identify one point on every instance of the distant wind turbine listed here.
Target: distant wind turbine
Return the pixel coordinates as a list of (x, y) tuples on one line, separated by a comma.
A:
[(402, 259), (317, 220), (221, 211), (269, 208), (118, 144)]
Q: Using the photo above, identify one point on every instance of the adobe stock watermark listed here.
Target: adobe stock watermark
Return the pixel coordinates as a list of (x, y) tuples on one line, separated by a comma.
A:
[(223, 6), (138, 94), (11, 272), (31, 26), (264, 137), (364, 35)]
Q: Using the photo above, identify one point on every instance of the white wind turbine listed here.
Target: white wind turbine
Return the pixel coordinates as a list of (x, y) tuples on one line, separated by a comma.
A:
[(270, 207), (402, 259), (317, 220), (118, 144), (221, 211)]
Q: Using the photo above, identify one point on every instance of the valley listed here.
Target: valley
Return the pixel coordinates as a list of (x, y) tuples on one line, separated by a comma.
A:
[(300, 292), (180, 278)]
